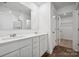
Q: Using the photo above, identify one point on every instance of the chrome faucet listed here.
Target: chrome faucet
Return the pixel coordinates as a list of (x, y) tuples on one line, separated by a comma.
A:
[(12, 35)]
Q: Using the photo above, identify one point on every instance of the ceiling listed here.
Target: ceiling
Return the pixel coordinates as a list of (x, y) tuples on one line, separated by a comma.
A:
[(39, 3), (15, 6), (59, 5)]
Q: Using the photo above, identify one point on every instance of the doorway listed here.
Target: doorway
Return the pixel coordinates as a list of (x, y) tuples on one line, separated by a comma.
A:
[(66, 30)]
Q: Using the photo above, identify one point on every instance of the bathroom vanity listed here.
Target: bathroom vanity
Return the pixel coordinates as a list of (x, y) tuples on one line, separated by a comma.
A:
[(15, 24), (30, 45)]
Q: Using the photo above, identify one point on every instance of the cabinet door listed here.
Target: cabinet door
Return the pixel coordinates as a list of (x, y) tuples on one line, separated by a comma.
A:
[(13, 54), (36, 52), (46, 42), (43, 45), (36, 47), (26, 51)]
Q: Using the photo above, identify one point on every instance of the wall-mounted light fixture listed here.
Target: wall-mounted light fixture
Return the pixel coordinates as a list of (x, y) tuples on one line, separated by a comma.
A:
[(65, 14), (10, 11), (53, 16)]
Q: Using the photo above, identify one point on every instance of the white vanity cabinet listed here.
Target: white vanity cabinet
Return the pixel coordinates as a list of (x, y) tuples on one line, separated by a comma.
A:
[(8, 48), (26, 51), (43, 44), (19, 48), (36, 46), (26, 47)]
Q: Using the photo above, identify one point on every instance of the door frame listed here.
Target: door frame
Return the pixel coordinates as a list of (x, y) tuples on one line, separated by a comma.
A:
[(75, 30)]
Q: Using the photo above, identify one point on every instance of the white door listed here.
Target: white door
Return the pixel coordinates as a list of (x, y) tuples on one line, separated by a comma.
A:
[(66, 29), (78, 30), (53, 24), (75, 30), (57, 30)]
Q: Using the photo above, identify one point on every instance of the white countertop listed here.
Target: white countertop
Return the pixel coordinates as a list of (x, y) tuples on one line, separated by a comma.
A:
[(19, 37)]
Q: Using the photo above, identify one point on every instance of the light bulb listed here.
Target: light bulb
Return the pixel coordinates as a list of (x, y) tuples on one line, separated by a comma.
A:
[(10, 11), (54, 16)]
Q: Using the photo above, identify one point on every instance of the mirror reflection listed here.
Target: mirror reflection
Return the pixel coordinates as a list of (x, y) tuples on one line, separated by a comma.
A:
[(14, 16)]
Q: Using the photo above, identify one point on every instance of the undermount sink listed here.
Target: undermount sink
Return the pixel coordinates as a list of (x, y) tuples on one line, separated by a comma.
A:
[(8, 38), (13, 36)]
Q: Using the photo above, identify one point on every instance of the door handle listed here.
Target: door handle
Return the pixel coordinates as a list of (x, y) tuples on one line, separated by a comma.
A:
[(78, 29)]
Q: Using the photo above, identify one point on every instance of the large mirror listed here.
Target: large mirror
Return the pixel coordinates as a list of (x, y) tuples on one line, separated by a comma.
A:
[(14, 16)]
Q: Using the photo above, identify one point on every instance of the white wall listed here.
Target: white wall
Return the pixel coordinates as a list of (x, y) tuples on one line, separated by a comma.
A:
[(44, 18), (53, 22), (45, 23), (35, 19), (67, 28), (41, 18), (66, 9)]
